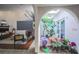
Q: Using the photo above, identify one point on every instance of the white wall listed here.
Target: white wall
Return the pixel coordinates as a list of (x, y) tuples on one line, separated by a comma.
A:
[(71, 26)]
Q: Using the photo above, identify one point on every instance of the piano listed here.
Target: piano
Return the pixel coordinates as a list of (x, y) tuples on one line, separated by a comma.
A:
[(4, 28)]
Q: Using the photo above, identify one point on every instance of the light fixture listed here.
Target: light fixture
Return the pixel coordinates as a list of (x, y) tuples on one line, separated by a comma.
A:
[(3, 21), (54, 11)]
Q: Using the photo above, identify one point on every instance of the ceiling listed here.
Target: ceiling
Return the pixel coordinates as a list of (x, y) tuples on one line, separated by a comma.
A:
[(4, 7), (43, 5)]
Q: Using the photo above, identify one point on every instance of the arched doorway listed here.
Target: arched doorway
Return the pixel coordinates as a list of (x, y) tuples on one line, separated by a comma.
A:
[(57, 25)]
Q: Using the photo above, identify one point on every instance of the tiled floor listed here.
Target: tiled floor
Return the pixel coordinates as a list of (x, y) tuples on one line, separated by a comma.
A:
[(54, 52), (7, 41), (17, 51)]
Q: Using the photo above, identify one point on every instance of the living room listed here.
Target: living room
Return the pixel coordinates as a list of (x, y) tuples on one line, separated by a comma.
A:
[(14, 35)]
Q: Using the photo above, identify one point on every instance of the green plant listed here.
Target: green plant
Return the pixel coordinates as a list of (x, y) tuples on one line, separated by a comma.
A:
[(65, 41), (49, 25)]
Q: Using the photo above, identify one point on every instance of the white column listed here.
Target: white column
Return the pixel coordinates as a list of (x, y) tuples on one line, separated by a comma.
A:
[(36, 29)]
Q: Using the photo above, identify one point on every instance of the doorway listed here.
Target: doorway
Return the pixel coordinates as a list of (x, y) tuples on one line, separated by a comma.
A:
[(56, 32)]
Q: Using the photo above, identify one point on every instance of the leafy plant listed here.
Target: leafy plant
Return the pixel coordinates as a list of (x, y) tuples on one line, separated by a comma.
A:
[(65, 41), (49, 25)]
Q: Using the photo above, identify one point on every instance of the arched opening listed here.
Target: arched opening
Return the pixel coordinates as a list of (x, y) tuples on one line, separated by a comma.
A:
[(58, 32)]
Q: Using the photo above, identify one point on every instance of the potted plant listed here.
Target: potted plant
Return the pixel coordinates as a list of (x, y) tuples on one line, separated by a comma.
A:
[(73, 47)]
